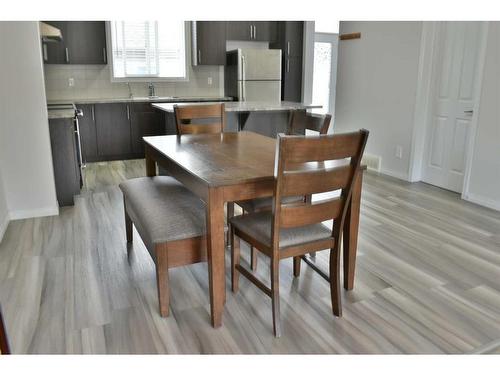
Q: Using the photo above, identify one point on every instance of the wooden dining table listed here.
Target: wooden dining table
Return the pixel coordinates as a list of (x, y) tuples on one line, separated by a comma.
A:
[(229, 167)]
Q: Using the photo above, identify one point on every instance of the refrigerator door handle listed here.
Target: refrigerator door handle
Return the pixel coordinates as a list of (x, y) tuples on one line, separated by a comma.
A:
[(243, 76)]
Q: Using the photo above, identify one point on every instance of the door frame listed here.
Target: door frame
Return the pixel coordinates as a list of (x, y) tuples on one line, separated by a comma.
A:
[(426, 87)]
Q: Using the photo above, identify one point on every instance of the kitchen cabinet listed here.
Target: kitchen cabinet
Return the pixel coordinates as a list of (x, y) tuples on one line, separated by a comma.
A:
[(210, 37), (264, 31), (144, 121), (67, 173), (84, 42), (292, 79), (88, 133), (113, 130)]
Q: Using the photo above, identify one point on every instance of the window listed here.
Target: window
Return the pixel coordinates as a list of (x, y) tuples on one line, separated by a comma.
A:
[(148, 49)]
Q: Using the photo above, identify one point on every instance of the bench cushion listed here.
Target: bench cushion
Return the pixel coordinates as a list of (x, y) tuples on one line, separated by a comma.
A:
[(258, 226), (163, 210)]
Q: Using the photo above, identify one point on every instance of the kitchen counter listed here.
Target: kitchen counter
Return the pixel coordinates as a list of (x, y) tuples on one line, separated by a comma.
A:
[(61, 113), (248, 106), (139, 99)]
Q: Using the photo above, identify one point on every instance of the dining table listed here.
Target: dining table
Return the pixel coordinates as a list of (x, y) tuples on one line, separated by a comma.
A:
[(229, 167)]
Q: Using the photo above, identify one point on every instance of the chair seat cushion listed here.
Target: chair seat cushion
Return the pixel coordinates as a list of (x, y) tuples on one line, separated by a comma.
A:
[(261, 204), (163, 210), (258, 226)]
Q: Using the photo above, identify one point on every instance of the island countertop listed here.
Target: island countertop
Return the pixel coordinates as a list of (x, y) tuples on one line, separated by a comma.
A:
[(246, 106)]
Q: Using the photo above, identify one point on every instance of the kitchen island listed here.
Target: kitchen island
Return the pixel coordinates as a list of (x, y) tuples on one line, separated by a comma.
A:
[(266, 118)]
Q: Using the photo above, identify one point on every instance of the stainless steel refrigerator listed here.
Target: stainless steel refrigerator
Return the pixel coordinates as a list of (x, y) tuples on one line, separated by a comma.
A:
[(253, 74)]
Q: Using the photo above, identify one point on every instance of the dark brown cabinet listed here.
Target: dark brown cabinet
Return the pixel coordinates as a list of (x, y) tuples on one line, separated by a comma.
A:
[(292, 79), (264, 31), (144, 121), (84, 42), (239, 30), (210, 42), (113, 130), (88, 133)]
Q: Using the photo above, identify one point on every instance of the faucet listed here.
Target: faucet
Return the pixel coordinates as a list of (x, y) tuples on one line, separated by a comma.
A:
[(151, 90)]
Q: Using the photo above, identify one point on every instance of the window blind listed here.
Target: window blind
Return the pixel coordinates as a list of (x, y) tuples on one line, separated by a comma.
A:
[(148, 49)]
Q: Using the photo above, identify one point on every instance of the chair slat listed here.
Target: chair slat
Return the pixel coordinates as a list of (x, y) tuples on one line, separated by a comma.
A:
[(200, 119), (199, 111), (296, 215), (324, 147), (201, 128), (301, 120), (315, 181)]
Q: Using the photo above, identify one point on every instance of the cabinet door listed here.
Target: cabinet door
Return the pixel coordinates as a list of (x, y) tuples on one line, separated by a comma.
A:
[(265, 31), (55, 52), (86, 42), (294, 35), (292, 79), (88, 134), (144, 121), (113, 130), (211, 43), (239, 30)]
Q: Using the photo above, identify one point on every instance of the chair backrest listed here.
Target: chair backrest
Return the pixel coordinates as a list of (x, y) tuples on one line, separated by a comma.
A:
[(310, 165), (200, 119), (301, 120)]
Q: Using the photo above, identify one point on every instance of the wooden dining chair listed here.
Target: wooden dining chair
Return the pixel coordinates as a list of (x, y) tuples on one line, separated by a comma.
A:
[(4, 343), (303, 165), (299, 123), (171, 222), (200, 119)]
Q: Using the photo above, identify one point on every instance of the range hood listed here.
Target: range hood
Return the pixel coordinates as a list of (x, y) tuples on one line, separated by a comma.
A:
[(50, 33)]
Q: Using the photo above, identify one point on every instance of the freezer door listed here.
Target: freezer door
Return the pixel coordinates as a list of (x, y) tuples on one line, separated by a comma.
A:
[(259, 91), (259, 64)]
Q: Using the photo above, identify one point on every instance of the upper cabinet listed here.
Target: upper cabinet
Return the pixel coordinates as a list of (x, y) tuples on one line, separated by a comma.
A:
[(263, 31), (209, 39), (84, 42)]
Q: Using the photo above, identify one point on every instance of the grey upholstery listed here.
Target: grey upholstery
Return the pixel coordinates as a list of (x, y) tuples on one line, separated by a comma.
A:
[(258, 226), (163, 210), (259, 204)]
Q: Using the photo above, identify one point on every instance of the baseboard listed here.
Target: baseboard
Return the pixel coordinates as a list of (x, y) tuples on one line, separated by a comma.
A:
[(4, 223), (25, 214), (398, 175), (482, 201)]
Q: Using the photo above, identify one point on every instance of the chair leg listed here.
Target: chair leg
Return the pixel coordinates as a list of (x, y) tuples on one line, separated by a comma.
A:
[(296, 266), (275, 296), (335, 281), (229, 215), (162, 279), (253, 260), (235, 260)]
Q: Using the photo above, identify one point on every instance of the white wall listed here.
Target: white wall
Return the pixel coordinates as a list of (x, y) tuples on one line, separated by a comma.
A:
[(25, 154), (484, 182), (377, 87)]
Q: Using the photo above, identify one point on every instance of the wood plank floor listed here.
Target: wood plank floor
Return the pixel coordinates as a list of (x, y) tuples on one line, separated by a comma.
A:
[(427, 281)]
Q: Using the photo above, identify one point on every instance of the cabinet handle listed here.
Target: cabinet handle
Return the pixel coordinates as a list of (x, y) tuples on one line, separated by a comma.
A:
[(199, 56), (251, 32), (45, 54), (67, 54), (104, 56), (288, 48), (254, 32), (93, 114), (128, 112), (288, 65)]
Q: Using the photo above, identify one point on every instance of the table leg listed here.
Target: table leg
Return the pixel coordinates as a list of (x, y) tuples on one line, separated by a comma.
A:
[(215, 254), (351, 227), (150, 165)]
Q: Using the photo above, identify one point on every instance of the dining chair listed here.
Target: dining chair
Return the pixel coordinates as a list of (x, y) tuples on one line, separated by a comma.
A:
[(4, 343), (171, 222), (299, 123), (304, 165), (200, 119)]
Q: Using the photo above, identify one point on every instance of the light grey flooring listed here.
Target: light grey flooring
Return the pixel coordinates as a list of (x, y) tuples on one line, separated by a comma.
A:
[(427, 281)]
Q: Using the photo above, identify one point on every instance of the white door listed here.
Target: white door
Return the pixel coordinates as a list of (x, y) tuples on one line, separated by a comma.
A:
[(325, 72), (455, 80)]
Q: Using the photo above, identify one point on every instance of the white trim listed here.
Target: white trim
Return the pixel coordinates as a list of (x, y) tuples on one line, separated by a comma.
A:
[(26, 214), (4, 223), (475, 114), (308, 61), (482, 201)]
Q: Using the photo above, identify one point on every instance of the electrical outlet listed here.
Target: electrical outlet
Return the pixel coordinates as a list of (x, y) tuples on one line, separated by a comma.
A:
[(209, 80), (399, 152), (71, 82)]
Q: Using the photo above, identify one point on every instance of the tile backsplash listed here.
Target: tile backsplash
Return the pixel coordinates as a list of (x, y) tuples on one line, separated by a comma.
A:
[(94, 81)]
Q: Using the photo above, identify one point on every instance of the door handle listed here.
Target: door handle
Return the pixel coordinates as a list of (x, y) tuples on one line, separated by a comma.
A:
[(199, 56), (45, 54), (288, 48), (128, 112), (288, 65), (93, 114), (67, 54), (254, 32), (251, 32)]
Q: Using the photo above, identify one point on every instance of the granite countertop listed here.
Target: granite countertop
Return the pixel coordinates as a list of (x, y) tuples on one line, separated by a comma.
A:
[(160, 99), (249, 106), (61, 113)]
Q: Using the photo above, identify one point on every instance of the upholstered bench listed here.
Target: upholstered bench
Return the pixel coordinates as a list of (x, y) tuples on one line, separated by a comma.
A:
[(171, 222)]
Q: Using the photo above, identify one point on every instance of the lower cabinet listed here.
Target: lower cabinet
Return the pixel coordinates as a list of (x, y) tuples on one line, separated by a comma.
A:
[(67, 173), (113, 130), (88, 133), (292, 79), (144, 121)]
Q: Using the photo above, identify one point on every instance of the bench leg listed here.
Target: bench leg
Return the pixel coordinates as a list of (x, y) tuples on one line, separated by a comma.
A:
[(162, 278)]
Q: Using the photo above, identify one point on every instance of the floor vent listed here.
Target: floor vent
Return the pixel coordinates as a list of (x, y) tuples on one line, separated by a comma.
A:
[(372, 162)]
